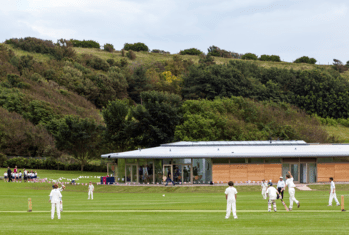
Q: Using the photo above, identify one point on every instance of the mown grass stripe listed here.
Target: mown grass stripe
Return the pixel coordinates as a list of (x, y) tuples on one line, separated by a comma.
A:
[(177, 211)]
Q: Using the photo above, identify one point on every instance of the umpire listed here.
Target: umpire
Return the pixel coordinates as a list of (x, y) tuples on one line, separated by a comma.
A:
[(281, 187), (9, 174)]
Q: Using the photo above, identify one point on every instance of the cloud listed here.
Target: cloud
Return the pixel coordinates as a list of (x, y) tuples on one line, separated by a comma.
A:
[(288, 28)]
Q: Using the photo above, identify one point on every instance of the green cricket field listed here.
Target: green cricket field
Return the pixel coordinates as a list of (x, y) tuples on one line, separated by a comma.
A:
[(144, 210)]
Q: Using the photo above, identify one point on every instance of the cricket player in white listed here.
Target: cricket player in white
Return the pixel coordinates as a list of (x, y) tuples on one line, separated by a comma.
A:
[(61, 190), (55, 198), (272, 194), (291, 190), (91, 188), (230, 196), (333, 193), (264, 186)]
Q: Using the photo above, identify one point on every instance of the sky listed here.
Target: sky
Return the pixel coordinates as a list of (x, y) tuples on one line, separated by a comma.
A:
[(288, 28)]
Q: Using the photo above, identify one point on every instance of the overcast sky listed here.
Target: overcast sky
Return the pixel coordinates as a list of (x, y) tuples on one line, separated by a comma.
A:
[(288, 28)]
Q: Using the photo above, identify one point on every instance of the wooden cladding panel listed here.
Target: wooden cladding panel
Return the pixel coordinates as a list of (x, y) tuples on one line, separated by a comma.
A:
[(255, 172), (244, 172), (325, 171), (220, 172), (341, 172), (238, 172), (272, 172)]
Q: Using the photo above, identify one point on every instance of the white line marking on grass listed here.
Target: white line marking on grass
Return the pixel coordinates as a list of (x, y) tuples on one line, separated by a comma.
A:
[(176, 211)]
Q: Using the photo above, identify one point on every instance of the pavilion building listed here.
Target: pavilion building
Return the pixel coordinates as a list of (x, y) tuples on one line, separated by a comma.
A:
[(204, 162)]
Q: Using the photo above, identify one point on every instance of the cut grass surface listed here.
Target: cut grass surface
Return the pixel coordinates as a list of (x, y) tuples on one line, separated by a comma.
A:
[(130, 212), (183, 210)]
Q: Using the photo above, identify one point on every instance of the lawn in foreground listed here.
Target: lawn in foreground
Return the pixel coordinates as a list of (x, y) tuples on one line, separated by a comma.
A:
[(144, 210)]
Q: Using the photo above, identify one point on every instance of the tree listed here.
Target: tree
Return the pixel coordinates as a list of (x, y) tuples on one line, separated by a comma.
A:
[(155, 121), (117, 119), (80, 137), (108, 47)]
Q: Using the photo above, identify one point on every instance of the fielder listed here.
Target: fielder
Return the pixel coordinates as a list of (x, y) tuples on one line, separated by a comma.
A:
[(264, 187), (55, 198), (271, 193), (333, 194), (291, 190), (230, 196), (61, 190), (91, 188)]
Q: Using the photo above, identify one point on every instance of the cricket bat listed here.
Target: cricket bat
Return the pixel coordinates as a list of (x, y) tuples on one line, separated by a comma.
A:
[(283, 203)]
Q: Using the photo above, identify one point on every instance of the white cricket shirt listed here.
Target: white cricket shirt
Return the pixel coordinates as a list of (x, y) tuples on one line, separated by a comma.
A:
[(289, 183), (264, 186), (90, 187), (55, 196), (272, 193), (281, 184), (231, 192), (333, 187)]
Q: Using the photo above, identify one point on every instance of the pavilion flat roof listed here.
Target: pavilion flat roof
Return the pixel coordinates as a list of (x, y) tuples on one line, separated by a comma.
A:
[(236, 149)]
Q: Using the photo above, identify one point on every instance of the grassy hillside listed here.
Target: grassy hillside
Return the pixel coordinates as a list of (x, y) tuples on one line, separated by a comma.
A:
[(42, 87)]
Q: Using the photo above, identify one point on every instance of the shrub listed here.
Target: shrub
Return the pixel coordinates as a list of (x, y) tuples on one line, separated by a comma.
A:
[(139, 46), (96, 62), (338, 65), (123, 53), (85, 44), (274, 58), (131, 55), (216, 51), (207, 60), (347, 64), (160, 51), (111, 62), (3, 159), (109, 47), (191, 51), (305, 59), (249, 56)]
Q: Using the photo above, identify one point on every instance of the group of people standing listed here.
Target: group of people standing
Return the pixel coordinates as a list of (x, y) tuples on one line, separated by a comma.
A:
[(17, 176)]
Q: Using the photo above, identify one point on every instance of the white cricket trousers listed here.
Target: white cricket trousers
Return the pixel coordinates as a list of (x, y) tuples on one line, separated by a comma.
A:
[(231, 205), (90, 193), (292, 192), (61, 205), (264, 193), (57, 205), (333, 196)]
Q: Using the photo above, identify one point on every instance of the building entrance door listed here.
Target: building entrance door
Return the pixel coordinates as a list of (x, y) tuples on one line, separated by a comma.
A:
[(167, 169), (131, 173)]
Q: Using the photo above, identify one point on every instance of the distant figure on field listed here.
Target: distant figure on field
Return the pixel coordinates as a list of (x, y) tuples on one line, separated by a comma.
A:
[(333, 194), (15, 170), (230, 196), (91, 188), (25, 174), (281, 187), (291, 190), (271, 193), (55, 199), (9, 175), (264, 186)]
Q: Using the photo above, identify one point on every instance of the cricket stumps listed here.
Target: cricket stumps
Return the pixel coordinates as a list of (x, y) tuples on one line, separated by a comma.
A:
[(342, 203), (29, 205)]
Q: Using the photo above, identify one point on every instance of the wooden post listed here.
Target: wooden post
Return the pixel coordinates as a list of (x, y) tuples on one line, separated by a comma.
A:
[(342, 203), (29, 205)]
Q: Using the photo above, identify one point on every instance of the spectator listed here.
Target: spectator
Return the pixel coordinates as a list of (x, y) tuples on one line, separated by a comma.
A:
[(9, 174)]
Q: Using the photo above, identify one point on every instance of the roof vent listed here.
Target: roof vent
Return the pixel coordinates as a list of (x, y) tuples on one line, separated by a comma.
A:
[(139, 149), (170, 150)]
